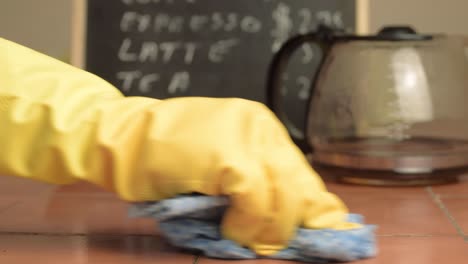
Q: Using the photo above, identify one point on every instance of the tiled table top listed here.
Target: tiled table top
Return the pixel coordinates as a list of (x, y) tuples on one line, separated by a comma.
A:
[(40, 223)]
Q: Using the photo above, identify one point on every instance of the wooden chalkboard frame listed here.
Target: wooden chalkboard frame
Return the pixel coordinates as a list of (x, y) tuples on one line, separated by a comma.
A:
[(78, 30)]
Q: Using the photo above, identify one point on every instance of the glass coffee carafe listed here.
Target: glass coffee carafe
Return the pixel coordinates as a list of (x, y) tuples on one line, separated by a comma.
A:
[(391, 108)]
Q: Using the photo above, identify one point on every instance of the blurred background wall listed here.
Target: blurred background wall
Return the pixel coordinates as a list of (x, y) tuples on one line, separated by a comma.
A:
[(43, 25), (448, 16)]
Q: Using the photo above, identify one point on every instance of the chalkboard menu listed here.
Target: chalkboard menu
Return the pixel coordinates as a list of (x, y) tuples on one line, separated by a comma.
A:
[(216, 48)]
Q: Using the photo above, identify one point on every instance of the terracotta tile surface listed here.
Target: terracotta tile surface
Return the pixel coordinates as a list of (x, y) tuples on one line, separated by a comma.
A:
[(382, 192), (81, 188), (458, 210), (18, 249), (396, 211), (7, 203), (396, 216), (79, 212), (21, 186), (420, 250), (81, 223), (459, 189)]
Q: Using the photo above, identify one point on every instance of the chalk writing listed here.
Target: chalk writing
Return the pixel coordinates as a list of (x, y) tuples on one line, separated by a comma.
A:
[(152, 51), (180, 81), (220, 48), (308, 54), (283, 25), (146, 2), (305, 15), (163, 44), (144, 83), (304, 87), (330, 18), (133, 21)]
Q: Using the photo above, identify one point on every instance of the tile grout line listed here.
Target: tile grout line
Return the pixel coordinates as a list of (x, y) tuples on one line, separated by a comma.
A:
[(453, 196), (413, 235), (73, 234), (436, 198), (9, 206)]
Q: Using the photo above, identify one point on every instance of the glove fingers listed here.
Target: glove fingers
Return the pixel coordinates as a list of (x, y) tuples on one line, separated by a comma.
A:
[(270, 207)]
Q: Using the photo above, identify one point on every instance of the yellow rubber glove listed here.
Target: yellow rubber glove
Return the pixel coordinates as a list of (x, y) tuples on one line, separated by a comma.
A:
[(60, 124)]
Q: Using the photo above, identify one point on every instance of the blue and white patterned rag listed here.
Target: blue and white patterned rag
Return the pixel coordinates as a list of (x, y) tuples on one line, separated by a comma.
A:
[(192, 222)]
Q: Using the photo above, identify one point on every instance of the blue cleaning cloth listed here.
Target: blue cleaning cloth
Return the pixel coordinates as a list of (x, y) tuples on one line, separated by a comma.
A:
[(192, 222)]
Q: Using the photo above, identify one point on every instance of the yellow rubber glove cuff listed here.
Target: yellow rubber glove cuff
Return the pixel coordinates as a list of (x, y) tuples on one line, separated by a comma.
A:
[(60, 124)]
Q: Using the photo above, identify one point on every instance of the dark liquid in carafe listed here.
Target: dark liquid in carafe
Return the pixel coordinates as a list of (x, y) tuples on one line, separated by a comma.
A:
[(391, 147), (380, 161)]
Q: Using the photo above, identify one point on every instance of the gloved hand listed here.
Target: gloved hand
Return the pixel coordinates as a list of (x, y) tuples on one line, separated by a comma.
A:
[(60, 124)]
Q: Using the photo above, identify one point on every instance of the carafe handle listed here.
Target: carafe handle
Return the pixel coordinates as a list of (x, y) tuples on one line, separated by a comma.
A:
[(323, 39)]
